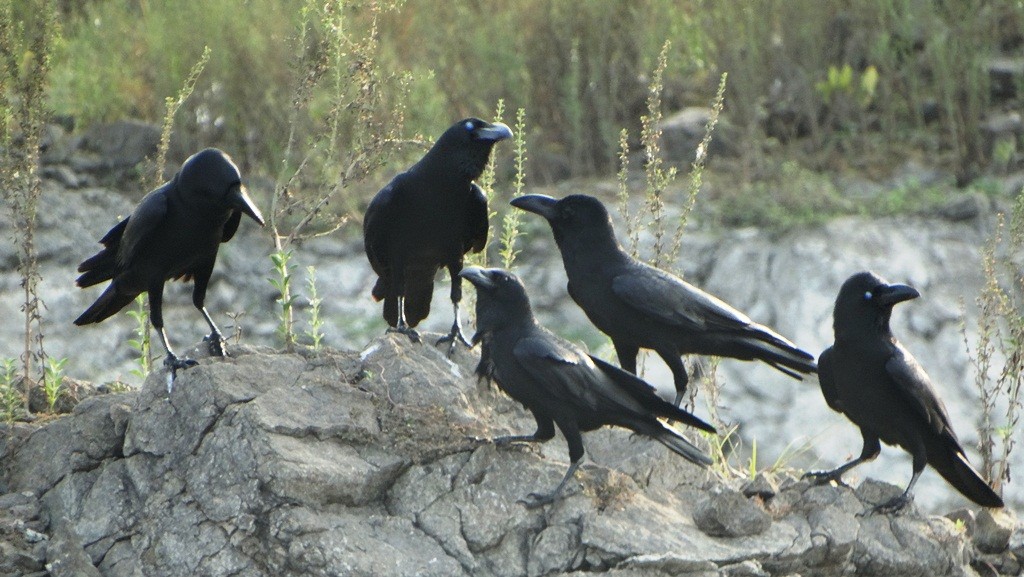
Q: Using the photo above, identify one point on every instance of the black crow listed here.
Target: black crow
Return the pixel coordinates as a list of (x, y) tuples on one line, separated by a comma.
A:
[(640, 306), (561, 384), (868, 376), (173, 233), (429, 217)]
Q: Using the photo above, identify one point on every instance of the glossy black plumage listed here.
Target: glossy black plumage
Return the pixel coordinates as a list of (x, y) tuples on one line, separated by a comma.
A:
[(174, 233), (871, 378), (429, 217), (640, 306), (561, 384)]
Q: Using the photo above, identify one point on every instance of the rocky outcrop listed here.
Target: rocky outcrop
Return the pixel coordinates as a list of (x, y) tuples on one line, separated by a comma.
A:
[(371, 463)]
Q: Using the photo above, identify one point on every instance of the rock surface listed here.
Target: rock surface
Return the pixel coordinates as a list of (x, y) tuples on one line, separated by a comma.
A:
[(367, 463)]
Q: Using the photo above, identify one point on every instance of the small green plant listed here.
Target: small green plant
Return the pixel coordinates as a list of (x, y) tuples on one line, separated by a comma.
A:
[(486, 183), (141, 343), (171, 106), (510, 222), (285, 299), (697, 166), (316, 322), (11, 400), (53, 381)]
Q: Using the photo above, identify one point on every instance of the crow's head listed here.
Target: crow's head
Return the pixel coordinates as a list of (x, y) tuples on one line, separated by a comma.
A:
[(501, 298), (210, 176), (576, 220), (467, 145), (866, 300)]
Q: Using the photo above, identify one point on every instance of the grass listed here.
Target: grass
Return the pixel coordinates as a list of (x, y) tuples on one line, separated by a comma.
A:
[(850, 78), (26, 45), (997, 355)]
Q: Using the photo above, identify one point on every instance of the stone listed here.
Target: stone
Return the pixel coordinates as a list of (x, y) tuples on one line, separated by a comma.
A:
[(762, 486), (66, 556), (964, 517), (724, 512), (994, 529)]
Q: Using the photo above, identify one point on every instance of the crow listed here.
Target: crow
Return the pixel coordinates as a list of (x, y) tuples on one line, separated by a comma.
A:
[(561, 384), (173, 233), (429, 217), (640, 306), (868, 376)]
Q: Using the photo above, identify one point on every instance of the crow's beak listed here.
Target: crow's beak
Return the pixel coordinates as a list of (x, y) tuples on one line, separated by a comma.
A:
[(239, 199), (478, 276), (539, 203), (493, 132), (894, 293)]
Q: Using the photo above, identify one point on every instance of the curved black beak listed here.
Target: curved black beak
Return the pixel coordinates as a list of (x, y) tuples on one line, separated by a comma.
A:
[(538, 203), (493, 132), (894, 293), (239, 199), (478, 276)]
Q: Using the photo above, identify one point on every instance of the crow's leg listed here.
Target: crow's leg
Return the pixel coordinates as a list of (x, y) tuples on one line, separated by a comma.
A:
[(214, 340), (171, 361), (403, 326), (398, 289), (899, 502), (455, 336), (674, 361), (872, 447), (627, 353), (572, 435)]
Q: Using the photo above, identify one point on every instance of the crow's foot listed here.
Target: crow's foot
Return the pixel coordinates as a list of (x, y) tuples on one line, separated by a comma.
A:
[(454, 338), (822, 477), (173, 363), (407, 331), (537, 500), (217, 344), (895, 505)]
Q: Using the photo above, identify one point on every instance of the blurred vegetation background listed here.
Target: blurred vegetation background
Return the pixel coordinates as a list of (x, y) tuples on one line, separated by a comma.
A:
[(814, 85)]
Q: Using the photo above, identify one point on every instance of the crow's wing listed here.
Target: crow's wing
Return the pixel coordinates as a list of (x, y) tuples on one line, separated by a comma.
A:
[(561, 369), (645, 394), (231, 226), (914, 385), (826, 379), (144, 220), (476, 221), (378, 219), (672, 300)]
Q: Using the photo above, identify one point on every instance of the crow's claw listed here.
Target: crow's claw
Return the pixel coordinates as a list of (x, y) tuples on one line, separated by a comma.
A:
[(407, 331), (217, 344), (173, 363)]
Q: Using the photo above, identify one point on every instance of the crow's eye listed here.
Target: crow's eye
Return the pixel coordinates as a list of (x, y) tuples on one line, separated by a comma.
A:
[(469, 126), (868, 296)]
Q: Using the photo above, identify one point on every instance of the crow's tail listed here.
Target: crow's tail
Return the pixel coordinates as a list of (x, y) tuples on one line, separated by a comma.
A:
[(419, 292), (109, 303), (679, 445), (97, 268), (780, 353), (952, 464)]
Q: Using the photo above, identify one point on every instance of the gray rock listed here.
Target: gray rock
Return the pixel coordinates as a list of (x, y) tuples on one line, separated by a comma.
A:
[(66, 556), (1006, 74), (762, 486), (994, 528), (274, 464), (723, 512), (121, 144), (683, 131)]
